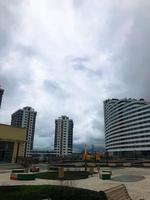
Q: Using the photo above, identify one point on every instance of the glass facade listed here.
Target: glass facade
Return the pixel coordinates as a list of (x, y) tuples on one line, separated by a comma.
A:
[(6, 151)]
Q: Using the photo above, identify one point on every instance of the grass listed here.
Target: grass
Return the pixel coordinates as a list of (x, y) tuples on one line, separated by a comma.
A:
[(68, 175), (39, 192)]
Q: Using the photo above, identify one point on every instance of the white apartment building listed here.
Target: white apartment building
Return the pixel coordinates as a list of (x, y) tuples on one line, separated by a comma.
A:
[(63, 136), (127, 127), (1, 95), (25, 118)]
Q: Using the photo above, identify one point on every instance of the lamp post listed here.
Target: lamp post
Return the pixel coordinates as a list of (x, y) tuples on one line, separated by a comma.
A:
[(85, 158)]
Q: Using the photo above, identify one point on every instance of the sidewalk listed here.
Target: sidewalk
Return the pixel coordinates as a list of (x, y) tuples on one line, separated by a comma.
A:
[(137, 188)]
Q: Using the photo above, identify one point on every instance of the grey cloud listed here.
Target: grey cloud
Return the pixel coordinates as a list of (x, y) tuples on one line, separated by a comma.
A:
[(135, 57), (80, 59), (44, 136), (9, 22), (56, 89), (77, 3), (98, 125), (82, 64), (44, 71), (45, 130), (52, 86), (27, 50), (96, 141)]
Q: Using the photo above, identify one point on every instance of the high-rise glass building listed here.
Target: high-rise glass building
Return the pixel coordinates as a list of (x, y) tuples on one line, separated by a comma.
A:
[(1, 95), (63, 143), (25, 118), (127, 127)]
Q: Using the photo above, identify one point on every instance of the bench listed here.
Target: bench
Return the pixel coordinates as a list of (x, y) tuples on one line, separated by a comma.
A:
[(105, 174), (117, 193), (17, 171)]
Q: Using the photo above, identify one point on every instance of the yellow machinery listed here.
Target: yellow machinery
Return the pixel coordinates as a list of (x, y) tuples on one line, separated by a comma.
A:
[(87, 156)]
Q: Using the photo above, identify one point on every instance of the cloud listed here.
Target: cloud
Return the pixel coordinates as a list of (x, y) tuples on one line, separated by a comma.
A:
[(135, 55), (66, 57)]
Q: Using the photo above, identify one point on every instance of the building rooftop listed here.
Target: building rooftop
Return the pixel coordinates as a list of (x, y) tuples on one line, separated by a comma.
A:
[(10, 126)]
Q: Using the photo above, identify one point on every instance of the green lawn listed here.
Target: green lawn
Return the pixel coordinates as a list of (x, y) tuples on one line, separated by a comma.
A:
[(54, 192), (69, 175)]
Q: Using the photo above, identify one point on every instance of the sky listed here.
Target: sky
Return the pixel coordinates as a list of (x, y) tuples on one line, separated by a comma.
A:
[(65, 57)]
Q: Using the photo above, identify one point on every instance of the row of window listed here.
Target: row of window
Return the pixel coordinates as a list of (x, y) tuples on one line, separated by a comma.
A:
[(122, 117), (125, 105), (127, 134), (127, 125), (129, 147), (141, 108), (128, 121), (129, 138), (112, 114), (130, 129), (131, 142)]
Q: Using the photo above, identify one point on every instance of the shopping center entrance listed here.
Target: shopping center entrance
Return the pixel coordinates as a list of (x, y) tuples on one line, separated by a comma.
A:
[(6, 151)]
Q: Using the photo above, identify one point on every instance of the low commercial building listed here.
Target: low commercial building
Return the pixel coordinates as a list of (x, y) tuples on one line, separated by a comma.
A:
[(12, 142)]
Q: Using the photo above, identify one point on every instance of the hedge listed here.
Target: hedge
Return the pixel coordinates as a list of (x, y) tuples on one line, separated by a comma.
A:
[(68, 175), (39, 192)]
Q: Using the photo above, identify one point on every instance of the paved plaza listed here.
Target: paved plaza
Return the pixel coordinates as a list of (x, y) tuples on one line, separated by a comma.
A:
[(137, 181)]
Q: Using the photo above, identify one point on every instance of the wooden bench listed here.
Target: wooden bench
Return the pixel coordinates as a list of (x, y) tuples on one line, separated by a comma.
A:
[(117, 193)]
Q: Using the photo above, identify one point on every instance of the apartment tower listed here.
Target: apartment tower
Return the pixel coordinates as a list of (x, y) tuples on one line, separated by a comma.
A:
[(25, 118), (63, 143), (127, 127), (1, 95)]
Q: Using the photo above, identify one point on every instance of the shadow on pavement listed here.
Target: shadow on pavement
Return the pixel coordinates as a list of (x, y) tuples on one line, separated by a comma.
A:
[(128, 178)]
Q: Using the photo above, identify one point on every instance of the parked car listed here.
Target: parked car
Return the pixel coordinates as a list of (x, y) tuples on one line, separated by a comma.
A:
[(34, 169)]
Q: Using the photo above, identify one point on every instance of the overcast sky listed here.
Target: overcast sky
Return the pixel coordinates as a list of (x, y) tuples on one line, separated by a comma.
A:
[(64, 57)]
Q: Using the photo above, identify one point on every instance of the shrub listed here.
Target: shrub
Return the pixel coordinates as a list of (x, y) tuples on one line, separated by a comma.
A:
[(45, 191), (68, 175)]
